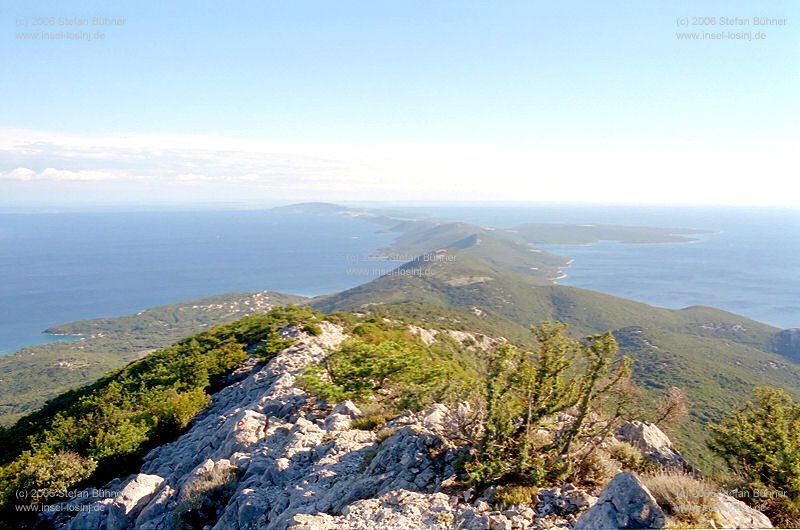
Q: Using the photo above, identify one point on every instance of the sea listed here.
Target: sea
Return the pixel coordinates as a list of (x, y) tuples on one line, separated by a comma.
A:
[(748, 264), (60, 267)]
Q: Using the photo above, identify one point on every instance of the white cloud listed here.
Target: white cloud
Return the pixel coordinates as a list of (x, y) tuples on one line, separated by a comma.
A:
[(53, 174), (597, 171), (20, 173)]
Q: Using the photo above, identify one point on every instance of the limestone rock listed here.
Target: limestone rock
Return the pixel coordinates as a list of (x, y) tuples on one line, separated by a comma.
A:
[(153, 513), (733, 513), (287, 462), (624, 503), (131, 499), (563, 500), (245, 430), (397, 510), (652, 442), (346, 408), (91, 519)]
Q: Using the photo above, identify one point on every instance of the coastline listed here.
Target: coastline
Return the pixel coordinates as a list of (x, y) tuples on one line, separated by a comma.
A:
[(561, 273)]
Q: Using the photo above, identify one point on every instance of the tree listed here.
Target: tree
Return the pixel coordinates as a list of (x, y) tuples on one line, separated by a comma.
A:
[(761, 442), (525, 389), (674, 408)]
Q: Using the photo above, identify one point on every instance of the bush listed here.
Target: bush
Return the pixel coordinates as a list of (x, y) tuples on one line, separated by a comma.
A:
[(627, 455), (674, 408), (371, 332), (761, 443), (226, 358), (401, 374), (524, 389), (44, 471), (174, 411), (313, 329), (595, 469), (123, 438), (515, 495), (690, 500)]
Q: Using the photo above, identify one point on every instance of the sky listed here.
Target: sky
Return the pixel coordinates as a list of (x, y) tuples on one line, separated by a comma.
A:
[(277, 101)]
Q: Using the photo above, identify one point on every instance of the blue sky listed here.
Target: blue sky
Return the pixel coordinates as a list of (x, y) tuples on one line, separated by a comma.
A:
[(501, 100)]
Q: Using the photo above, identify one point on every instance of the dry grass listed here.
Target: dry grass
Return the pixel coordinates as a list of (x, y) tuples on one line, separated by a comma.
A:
[(384, 433), (686, 498), (201, 500), (371, 422)]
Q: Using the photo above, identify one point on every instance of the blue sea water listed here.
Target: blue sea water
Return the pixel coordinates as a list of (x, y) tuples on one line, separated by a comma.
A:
[(57, 268), (750, 265)]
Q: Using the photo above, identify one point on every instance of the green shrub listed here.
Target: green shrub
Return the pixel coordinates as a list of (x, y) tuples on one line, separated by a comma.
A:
[(523, 389), (122, 438), (627, 455), (313, 329), (273, 345), (44, 471), (595, 469), (226, 358), (515, 495), (401, 374), (174, 411), (761, 443), (369, 332)]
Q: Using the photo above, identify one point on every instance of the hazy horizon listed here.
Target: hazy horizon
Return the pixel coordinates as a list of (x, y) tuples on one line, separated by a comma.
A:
[(580, 102)]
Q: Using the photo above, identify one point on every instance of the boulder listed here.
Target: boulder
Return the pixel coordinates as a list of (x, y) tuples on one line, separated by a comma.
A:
[(733, 513), (246, 430), (563, 500), (347, 408), (91, 519), (624, 503), (133, 496), (652, 442), (150, 517)]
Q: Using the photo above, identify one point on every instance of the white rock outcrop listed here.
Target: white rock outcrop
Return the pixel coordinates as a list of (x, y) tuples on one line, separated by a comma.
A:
[(286, 458), (733, 513), (133, 496), (652, 442)]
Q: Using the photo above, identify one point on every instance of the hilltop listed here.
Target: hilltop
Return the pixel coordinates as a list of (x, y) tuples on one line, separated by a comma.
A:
[(393, 438)]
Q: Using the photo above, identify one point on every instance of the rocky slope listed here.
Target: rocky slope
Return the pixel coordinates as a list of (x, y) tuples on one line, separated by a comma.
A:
[(263, 456), (787, 342)]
